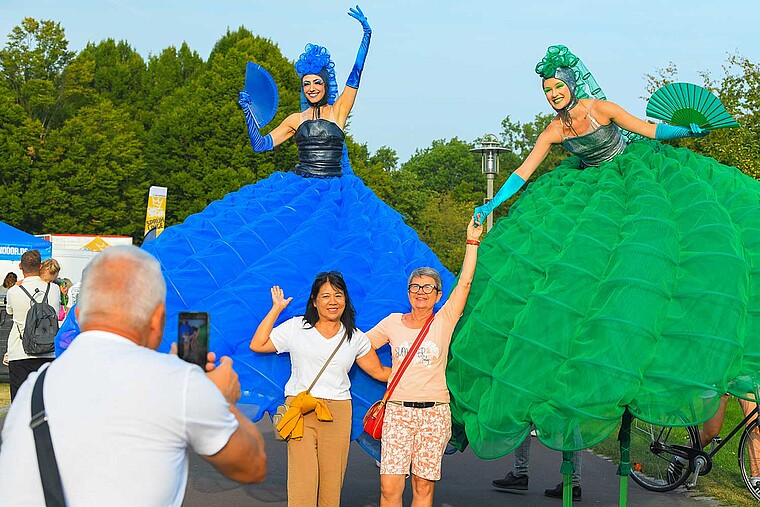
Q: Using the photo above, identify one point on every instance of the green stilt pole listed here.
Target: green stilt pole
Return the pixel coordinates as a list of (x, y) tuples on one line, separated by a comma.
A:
[(567, 469), (624, 469)]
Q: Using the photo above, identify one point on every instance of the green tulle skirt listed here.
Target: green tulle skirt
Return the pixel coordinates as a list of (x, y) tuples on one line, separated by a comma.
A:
[(633, 285)]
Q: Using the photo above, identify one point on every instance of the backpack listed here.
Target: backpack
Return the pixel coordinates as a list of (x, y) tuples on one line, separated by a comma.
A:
[(40, 327)]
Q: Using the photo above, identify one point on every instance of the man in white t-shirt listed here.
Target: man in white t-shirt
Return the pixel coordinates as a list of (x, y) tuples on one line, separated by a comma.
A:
[(121, 415), (20, 364)]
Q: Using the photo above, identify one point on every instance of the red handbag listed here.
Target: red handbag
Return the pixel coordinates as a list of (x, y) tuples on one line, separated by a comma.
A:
[(373, 419)]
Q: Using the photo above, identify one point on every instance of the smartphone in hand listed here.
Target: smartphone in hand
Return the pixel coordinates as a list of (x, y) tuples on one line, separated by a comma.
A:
[(192, 337)]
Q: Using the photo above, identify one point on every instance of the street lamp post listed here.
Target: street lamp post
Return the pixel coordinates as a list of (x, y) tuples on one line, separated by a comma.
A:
[(489, 152)]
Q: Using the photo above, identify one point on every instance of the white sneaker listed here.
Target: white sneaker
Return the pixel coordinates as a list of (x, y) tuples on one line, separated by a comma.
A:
[(755, 482)]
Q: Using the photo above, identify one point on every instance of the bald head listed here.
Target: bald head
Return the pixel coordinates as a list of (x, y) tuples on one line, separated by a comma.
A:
[(122, 288)]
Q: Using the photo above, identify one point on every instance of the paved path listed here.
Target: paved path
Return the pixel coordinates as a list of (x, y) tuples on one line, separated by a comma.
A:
[(466, 483)]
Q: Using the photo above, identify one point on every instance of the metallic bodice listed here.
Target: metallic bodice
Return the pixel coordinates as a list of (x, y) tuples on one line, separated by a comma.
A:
[(320, 146), (600, 145)]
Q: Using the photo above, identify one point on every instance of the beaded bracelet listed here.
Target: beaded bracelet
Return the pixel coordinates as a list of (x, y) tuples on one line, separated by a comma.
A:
[(472, 242)]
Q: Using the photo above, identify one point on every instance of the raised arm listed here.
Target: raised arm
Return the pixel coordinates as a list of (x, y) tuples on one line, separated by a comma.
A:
[(458, 296), (281, 133), (610, 111), (261, 341), (345, 102), (520, 175)]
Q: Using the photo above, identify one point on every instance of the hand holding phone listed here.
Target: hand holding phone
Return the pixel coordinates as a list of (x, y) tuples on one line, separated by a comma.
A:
[(192, 337)]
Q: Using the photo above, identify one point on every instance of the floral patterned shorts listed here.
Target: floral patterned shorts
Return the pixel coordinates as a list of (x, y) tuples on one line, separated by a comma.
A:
[(415, 437)]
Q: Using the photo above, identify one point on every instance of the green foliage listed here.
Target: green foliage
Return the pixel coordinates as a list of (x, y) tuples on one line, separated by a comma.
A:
[(442, 224), (32, 65), (448, 166), (739, 90)]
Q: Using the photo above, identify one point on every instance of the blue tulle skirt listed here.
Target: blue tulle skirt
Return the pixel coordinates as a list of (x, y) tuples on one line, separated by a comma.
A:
[(282, 231)]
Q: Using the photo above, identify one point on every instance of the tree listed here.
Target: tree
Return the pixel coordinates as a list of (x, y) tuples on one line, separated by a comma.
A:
[(91, 176), (118, 73), (19, 157), (442, 224), (198, 144), (32, 64), (448, 166), (739, 91)]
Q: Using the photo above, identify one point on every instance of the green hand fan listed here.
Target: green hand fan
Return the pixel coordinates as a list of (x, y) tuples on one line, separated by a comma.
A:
[(685, 103)]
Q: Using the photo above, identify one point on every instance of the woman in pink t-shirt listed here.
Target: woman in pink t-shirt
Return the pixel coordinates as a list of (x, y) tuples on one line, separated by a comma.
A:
[(417, 423)]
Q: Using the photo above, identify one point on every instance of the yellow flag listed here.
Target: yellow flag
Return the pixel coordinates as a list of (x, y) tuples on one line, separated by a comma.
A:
[(154, 218)]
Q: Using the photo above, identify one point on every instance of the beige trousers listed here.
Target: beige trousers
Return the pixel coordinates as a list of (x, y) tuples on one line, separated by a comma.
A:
[(317, 462)]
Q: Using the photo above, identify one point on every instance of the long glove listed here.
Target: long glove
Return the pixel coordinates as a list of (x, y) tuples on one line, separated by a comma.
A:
[(258, 142), (512, 185), (356, 72), (666, 132)]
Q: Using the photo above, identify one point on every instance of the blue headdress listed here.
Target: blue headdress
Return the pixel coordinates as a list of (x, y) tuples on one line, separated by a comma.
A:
[(316, 60)]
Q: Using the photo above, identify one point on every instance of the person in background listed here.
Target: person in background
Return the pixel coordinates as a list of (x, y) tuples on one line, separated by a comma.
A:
[(64, 284), (119, 409), (20, 364), (10, 281), (49, 270)]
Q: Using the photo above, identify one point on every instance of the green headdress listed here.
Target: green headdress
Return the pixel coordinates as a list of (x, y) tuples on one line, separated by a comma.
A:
[(559, 58), (561, 63)]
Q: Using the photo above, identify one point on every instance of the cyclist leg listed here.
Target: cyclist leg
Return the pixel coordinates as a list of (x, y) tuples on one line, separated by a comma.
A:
[(711, 427), (754, 439)]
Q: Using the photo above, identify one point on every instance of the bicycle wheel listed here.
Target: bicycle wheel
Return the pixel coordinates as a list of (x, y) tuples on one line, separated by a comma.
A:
[(749, 458), (658, 459)]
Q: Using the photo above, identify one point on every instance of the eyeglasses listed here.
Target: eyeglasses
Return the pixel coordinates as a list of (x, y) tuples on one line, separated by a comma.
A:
[(428, 288)]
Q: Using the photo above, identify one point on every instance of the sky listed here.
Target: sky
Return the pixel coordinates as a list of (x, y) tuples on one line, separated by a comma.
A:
[(437, 69)]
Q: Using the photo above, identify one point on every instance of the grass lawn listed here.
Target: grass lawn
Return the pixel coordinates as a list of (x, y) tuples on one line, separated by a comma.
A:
[(724, 482), (5, 394)]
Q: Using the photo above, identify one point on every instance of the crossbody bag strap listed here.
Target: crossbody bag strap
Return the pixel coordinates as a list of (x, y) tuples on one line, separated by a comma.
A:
[(324, 367), (43, 444), (408, 358)]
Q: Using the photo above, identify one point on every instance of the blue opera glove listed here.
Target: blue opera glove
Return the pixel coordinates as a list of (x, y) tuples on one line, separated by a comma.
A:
[(666, 132), (356, 72), (510, 187), (258, 142)]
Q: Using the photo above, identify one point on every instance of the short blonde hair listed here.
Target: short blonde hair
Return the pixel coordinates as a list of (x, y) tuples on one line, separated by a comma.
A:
[(51, 266)]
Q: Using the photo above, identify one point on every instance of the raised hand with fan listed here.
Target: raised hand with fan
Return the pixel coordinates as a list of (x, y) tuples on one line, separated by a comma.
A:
[(690, 110), (259, 103)]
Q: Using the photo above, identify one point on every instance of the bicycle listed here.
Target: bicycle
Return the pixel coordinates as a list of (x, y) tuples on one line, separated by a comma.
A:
[(663, 458)]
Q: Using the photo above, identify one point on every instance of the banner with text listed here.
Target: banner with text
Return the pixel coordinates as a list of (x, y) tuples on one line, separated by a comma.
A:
[(154, 218)]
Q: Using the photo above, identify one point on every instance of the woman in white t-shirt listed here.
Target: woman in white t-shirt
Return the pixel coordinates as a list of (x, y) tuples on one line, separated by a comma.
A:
[(317, 462)]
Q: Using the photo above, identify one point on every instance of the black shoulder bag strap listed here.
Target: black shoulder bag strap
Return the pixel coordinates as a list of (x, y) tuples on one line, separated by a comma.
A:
[(51, 478)]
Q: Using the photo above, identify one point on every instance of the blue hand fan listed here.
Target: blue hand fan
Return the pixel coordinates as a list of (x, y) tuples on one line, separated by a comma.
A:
[(262, 89), (685, 103)]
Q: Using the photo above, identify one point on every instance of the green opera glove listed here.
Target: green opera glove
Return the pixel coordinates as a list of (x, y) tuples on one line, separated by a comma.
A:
[(510, 187)]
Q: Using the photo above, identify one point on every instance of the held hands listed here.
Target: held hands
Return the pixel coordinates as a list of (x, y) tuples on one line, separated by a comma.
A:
[(279, 302), (358, 15), (479, 215), (474, 230)]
